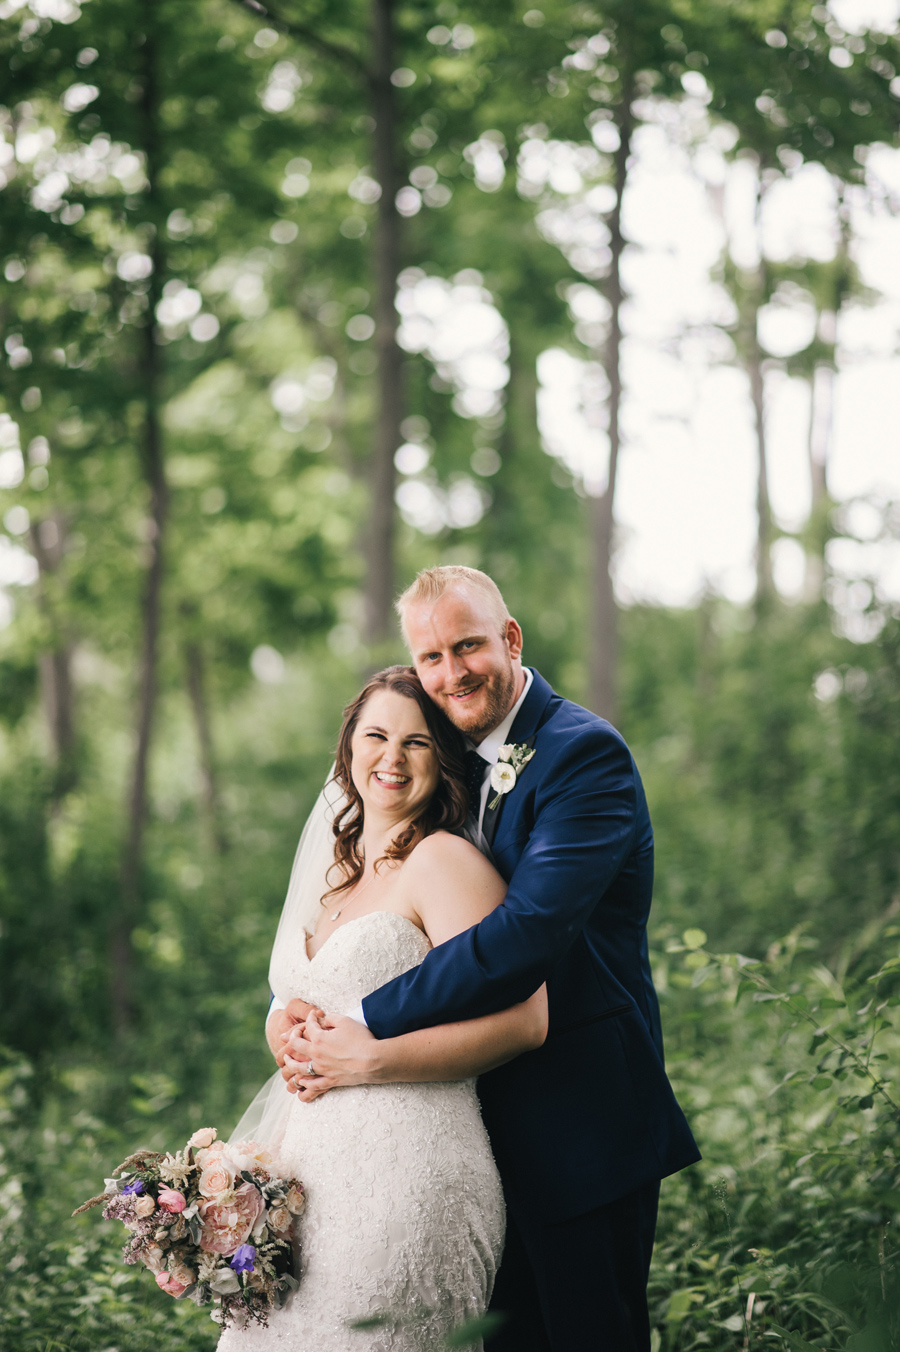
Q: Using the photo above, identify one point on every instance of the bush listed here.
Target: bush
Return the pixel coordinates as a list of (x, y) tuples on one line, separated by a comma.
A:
[(65, 1287), (786, 1234)]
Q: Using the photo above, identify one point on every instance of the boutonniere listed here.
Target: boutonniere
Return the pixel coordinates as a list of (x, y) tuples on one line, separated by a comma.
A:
[(513, 759)]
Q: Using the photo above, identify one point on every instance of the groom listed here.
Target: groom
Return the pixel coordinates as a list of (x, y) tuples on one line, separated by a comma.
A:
[(584, 1127)]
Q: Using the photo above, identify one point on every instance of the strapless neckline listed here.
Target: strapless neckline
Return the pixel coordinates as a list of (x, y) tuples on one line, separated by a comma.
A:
[(357, 920)]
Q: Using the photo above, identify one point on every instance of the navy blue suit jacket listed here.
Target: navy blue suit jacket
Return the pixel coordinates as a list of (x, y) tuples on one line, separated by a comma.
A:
[(590, 1115)]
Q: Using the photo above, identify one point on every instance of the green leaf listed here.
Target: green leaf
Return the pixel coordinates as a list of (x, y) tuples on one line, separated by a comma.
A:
[(890, 1201), (474, 1330), (693, 938), (873, 1338), (702, 974), (820, 1082), (680, 1303)]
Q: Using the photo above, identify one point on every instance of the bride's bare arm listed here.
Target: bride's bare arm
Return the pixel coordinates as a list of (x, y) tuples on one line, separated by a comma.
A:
[(447, 886)]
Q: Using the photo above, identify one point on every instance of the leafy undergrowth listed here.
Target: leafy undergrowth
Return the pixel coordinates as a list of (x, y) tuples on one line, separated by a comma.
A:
[(787, 1234)]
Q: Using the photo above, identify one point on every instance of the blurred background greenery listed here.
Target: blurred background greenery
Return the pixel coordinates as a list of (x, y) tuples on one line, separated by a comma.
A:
[(228, 434)]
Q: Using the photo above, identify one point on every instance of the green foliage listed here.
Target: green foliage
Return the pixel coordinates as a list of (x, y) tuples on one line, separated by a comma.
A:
[(768, 799), (65, 1288), (785, 1233)]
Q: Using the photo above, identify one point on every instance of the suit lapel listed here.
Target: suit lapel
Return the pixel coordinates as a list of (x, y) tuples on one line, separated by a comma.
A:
[(492, 815), (524, 730)]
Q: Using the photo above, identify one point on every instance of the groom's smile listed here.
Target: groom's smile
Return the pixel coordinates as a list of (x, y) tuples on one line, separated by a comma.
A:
[(461, 695)]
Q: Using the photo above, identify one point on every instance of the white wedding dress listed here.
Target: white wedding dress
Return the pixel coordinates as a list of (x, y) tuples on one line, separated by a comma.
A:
[(405, 1217)]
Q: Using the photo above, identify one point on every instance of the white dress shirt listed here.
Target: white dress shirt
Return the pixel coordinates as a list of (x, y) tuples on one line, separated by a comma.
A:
[(489, 750)]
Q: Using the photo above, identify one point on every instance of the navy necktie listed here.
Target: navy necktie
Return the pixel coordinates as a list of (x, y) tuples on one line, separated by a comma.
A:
[(476, 769)]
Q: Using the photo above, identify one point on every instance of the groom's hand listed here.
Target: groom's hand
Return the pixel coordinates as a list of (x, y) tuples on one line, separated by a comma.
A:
[(342, 1052)]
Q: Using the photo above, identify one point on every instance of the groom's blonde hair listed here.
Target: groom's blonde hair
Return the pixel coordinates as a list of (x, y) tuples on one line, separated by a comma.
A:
[(431, 584)]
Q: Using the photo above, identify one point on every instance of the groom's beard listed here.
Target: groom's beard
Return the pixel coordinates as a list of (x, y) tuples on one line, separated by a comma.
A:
[(494, 700)]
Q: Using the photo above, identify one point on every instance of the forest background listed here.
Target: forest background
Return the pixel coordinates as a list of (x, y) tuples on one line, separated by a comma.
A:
[(276, 281)]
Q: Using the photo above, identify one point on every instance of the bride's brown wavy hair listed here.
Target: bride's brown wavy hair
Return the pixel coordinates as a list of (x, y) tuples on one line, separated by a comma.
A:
[(444, 811)]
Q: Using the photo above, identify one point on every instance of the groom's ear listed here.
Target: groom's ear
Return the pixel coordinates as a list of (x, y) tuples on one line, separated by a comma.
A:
[(514, 638)]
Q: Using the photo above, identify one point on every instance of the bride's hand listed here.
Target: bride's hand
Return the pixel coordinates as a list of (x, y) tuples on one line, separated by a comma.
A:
[(280, 1024), (342, 1052)]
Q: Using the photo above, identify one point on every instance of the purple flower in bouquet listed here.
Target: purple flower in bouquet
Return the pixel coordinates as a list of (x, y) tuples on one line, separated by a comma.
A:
[(243, 1258), (135, 1187)]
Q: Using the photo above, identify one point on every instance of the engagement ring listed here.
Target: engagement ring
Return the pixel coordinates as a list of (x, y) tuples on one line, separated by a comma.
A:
[(310, 1070)]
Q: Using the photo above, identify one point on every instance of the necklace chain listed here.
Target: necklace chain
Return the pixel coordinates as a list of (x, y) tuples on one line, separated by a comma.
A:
[(336, 915)]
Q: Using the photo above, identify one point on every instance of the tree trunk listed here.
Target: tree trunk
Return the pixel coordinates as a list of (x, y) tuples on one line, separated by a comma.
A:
[(750, 300), (152, 464), (604, 629), (57, 690), (753, 361), (821, 412), (379, 541), (378, 536), (195, 672), (500, 527)]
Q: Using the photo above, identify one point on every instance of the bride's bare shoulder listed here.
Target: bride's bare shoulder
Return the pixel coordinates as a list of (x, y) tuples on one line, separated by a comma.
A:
[(446, 847), (444, 850), (450, 885)]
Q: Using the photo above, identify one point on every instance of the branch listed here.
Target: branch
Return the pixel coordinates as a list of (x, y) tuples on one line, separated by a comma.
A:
[(336, 50)]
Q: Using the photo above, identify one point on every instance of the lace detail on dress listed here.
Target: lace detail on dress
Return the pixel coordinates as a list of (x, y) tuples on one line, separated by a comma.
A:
[(405, 1215)]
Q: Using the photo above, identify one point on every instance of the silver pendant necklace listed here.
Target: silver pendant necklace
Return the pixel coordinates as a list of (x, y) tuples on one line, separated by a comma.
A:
[(336, 915)]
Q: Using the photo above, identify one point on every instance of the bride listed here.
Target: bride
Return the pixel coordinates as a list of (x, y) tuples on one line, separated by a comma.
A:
[(403, 1228)]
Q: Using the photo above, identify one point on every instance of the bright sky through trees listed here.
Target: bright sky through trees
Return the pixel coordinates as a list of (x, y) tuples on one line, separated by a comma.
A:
[(686, 505)]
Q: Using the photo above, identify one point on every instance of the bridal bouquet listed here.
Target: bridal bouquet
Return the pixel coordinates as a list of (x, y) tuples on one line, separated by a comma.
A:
[(212, 1221)]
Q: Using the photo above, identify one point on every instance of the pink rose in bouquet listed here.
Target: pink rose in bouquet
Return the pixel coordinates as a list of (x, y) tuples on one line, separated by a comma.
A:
[(280, 1219), (217, 1177), (296, 1200), (170, 1199), (174, 1283), (226, 1225), (203, 1139), (153, 1257)]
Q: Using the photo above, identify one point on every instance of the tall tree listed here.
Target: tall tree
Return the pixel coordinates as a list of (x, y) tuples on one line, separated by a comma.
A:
[(370, 64), (799, 88), (151, 451), (99, 239), (612, 64)]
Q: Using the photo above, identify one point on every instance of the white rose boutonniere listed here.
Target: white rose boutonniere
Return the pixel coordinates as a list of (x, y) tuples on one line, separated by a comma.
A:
[(512, 760)]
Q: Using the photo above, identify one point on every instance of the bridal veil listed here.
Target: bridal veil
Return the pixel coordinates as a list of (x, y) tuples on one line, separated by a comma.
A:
[(265, 1119)]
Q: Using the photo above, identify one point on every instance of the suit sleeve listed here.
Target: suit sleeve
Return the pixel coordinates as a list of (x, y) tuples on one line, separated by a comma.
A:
[(584, 828)]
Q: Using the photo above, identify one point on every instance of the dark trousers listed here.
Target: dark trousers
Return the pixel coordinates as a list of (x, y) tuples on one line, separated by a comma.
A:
[(580, 1285)]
